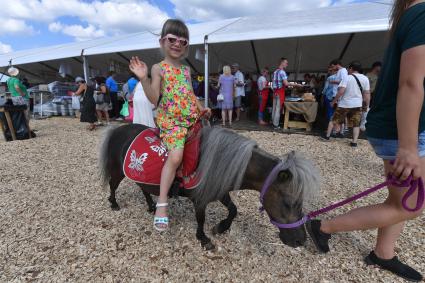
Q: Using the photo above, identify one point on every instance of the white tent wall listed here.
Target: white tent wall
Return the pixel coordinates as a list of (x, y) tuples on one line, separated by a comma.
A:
[(315, 51)]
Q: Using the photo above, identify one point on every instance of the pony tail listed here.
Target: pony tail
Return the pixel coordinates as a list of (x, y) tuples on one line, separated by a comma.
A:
[(104, 172)]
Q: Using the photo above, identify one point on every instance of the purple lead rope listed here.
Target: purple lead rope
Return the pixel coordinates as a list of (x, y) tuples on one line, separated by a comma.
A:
[(391, 180)]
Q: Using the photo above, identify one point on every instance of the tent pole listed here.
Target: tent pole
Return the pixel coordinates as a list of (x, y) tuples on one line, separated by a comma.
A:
[(254, 52), (298, 65), (86, 68), (296, 60), (347, 44), (206, 70)]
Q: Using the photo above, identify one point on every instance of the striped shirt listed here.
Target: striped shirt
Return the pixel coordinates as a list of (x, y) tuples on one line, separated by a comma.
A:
[(278, 77)]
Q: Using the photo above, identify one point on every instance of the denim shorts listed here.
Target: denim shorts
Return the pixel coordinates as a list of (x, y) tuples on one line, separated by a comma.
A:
[(387, 149)]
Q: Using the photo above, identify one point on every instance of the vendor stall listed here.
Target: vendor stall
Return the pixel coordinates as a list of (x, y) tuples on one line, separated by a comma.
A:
[(307, 109)]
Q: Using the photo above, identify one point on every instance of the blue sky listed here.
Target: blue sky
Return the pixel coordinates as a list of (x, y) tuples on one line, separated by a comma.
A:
[(36, 23)]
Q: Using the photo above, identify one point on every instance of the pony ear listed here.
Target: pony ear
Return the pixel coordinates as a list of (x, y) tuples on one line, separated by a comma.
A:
[(285, 175)]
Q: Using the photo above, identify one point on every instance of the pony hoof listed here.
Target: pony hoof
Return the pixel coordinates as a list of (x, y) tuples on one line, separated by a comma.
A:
[(208, 246), (115, 207)]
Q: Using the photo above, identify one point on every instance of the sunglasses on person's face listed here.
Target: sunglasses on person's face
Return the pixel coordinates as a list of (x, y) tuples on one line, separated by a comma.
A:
[(173, 39)]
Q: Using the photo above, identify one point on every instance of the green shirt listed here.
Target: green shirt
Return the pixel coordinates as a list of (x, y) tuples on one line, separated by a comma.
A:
[(12, 82), (410, 32)]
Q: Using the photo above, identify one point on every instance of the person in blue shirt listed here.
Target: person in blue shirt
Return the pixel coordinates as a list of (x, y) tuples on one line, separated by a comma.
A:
[(329, 93), (112, 85), (132, 82)]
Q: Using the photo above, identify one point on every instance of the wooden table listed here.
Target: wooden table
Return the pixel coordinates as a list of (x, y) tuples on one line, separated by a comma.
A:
[(10, 124), (307, 109)]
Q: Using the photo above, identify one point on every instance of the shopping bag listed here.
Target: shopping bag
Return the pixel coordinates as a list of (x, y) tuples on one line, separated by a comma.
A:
[(129, 118), (363, 120), (75, 102), (124, 110)]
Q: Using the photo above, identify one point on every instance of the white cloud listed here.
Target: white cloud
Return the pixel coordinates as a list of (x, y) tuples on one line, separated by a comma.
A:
[(220, 9), (78, 31), (5, 48), (13, 26), (98, 18)]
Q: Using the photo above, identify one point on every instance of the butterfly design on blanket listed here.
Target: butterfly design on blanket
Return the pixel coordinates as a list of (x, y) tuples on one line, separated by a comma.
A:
[(136, 163)]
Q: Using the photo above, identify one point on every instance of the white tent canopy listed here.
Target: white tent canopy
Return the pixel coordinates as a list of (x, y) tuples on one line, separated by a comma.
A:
[(309, 39)]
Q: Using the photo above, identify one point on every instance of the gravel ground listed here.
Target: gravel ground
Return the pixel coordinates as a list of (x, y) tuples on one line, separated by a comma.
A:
[(56, 224)]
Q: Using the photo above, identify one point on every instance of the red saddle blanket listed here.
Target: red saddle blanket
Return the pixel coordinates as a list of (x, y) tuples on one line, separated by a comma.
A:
[(147, 155)]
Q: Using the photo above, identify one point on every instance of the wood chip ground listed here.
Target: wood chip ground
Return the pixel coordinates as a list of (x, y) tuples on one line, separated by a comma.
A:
[(56, 224)]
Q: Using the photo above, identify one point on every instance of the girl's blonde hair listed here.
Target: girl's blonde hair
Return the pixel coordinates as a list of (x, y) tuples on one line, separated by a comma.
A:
[(227, 71)]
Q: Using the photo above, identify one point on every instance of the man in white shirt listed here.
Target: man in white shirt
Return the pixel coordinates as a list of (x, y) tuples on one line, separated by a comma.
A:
[(240, 88), (353, 96), (341, 72)]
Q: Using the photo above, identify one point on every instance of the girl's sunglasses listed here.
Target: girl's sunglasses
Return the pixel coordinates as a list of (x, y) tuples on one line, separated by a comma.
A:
[(173, 39)]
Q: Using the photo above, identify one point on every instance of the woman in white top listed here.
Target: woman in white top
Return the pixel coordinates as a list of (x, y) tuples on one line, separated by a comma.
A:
[(142, 107)]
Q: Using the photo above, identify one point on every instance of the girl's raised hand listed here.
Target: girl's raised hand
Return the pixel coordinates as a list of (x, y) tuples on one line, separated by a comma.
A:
[(139, 68)]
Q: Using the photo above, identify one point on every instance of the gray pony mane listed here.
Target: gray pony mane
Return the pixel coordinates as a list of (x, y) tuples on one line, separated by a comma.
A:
[(305, 181), (224, 158)]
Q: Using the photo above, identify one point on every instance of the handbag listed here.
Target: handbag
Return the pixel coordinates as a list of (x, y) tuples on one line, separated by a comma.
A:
[(124, 110), (129, 117), (220, 97), (75, 102), (98, 97)]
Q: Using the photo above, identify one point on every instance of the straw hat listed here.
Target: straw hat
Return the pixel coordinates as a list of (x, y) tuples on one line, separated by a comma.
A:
[(13, 72)]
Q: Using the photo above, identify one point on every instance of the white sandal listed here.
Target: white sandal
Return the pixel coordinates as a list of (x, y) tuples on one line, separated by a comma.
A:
[(157, 221)]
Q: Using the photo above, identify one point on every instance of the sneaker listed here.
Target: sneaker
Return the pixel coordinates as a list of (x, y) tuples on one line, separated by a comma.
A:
[(276, 127), (319, 238), (325, 138), (395, 266), (119, 119), (353, 144)]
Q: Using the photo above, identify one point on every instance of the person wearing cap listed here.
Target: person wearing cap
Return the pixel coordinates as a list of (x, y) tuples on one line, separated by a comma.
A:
[(88, 105), (17, 88), (239, 89)]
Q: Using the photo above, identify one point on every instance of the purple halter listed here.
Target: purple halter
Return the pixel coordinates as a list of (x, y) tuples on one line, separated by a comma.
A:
[(391, 180)]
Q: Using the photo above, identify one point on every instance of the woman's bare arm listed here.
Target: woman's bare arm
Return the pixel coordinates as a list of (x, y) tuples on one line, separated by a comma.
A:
[(80, 89), (410, 99)]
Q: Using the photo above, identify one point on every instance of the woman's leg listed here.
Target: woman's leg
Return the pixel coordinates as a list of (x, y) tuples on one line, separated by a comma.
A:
[(168, 174), (388, 216), (107, 116), (230, 116), (223, 116), (99, 116)]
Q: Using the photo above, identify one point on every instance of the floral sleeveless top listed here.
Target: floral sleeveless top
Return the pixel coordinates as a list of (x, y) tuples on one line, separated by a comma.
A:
[(178, 102)]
